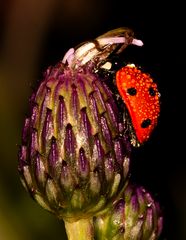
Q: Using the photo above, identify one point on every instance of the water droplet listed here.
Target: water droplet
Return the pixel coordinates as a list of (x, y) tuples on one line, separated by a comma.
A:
[(149, 204), (141, 216)]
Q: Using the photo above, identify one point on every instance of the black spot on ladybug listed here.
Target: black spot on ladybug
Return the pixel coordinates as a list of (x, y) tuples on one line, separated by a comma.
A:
[(146, 123), (152, 92), (132, 91)]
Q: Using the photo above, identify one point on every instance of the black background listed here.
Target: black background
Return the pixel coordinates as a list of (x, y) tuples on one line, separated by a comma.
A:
[(159, 165)]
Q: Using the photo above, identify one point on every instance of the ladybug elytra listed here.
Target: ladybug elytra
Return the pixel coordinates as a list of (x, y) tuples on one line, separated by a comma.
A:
[(141, 97)]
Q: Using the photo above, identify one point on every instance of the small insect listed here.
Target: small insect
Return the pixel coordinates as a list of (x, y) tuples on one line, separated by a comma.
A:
[(136, 89), (141, 97), (97, 51)]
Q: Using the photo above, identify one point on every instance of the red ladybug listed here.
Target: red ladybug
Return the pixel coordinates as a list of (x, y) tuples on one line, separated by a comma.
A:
[(141, 97)]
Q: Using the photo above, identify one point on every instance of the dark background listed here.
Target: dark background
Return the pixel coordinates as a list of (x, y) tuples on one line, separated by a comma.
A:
[(35, 34)]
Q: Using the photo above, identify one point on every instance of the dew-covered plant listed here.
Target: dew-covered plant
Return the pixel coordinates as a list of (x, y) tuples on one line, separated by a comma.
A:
[(77, 139)]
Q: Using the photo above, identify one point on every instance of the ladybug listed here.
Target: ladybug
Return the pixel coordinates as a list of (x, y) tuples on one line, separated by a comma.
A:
[(142, 99)]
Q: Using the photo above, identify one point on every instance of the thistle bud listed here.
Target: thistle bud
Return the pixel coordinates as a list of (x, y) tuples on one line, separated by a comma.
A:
[(134, 216), (74, 156)]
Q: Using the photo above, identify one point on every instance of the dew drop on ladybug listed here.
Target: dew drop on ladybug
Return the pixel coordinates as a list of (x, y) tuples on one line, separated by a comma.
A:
[(141, 97)]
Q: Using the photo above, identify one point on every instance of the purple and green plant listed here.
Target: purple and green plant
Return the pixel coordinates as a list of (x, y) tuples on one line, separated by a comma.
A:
[(74, 158)]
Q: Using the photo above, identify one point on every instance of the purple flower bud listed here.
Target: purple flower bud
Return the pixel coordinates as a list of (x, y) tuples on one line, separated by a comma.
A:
[(134, 216), (74, 157)]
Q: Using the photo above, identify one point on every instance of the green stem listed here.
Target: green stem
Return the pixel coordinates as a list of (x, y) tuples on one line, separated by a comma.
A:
[(80, 230)]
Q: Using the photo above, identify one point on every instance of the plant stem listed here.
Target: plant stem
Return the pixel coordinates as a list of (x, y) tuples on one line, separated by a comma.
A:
[(80, 230)]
